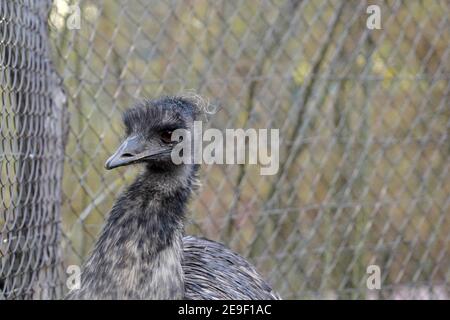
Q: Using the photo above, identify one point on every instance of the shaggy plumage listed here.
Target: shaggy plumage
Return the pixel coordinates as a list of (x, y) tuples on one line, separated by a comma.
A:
[(141, 252), (212, 271)]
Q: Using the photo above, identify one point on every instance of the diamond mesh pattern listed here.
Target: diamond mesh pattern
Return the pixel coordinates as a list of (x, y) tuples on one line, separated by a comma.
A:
[(31, 155), (364, 124), (363, 117)]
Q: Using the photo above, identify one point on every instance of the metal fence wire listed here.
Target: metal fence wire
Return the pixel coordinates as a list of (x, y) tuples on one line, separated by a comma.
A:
[(31, 154), (364, 124)]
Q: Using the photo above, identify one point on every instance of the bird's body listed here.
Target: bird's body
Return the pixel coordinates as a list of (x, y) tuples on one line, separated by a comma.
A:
[(212, 271), (141, 252)]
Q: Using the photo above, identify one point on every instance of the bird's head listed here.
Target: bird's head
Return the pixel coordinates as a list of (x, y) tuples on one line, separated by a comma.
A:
[(149, 127)]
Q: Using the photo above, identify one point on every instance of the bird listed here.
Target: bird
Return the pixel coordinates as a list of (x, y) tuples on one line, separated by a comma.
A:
[(142, 251)]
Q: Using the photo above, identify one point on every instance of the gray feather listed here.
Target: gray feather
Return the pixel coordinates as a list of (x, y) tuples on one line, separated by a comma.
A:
[(141, 252)]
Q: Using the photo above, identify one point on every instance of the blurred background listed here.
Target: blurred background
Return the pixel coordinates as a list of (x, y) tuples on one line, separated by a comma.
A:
[(364, 124)]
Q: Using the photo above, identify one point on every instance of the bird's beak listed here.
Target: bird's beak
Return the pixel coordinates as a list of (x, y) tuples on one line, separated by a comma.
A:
[(130, 151)]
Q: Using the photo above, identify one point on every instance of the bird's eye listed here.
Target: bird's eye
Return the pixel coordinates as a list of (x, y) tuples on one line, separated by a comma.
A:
[(166, 136)]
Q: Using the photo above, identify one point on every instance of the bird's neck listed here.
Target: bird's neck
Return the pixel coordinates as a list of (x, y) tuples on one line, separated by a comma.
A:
[(138, 254)]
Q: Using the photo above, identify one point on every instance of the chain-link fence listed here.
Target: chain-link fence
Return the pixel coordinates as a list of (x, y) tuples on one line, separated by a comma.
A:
[(364, 125), (31, 154)]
